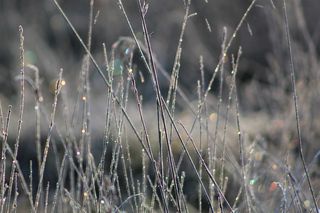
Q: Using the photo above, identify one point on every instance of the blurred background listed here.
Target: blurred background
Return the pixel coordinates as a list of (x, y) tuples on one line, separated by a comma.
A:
[(50, 43), (263, 79)]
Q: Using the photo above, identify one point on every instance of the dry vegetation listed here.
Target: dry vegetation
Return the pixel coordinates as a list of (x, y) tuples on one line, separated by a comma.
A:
[(160, 106)]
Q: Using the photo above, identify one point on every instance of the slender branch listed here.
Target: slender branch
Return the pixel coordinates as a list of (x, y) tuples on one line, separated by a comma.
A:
[(296, 105)]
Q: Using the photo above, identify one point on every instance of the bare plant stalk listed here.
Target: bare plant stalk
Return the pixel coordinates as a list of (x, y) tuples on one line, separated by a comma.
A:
[(154, 195), (87, 110), (143, 11), (219, 190), (145, 131), (131, 173), (233, 36), (31, 178), (296, 105), (3, 159), (38, 100), (235, 65), (126, 177), (107, 123), (222, 59), (200, 157), (219, 107), (47, 144), (124, 202), (142, 48), (22, 179), (200, 140), (58, 184), (176, 66), (20, 112), (46, 198), (189, 156), (108, 85), (144, 180), (16, 193), (2, 123), (173, 87), (85, 141), (122, 131), (236, 200), (224, 53), (99, 70), (225, 127)]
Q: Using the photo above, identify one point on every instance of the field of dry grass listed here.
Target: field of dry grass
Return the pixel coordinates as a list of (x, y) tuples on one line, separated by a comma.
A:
[(159, 106)]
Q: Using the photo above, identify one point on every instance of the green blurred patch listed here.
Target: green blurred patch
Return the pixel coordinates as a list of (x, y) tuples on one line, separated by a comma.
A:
[(30, 57)]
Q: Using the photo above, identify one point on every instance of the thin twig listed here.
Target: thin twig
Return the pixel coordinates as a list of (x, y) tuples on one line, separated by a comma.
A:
[(296, 107), (3, 159), (47, 144)]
